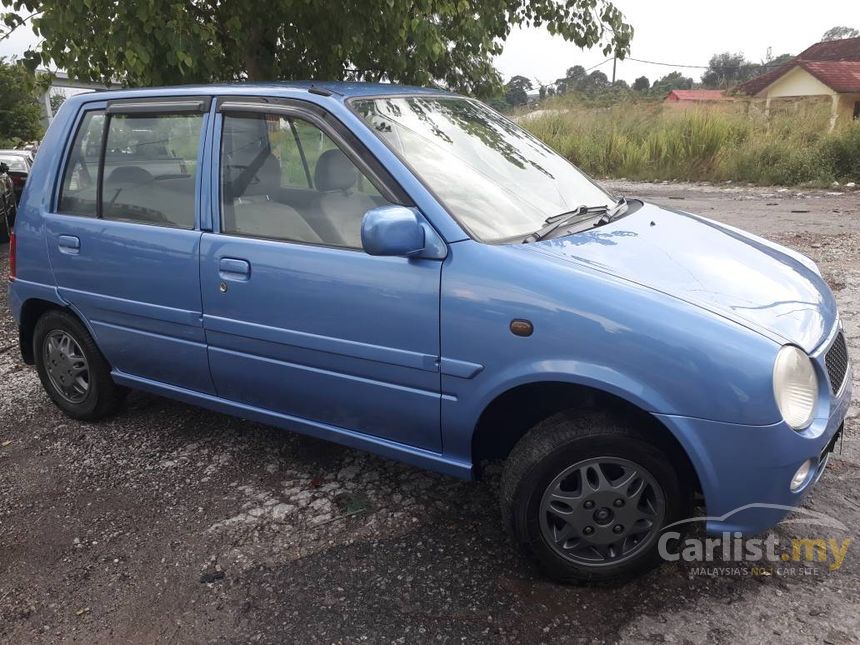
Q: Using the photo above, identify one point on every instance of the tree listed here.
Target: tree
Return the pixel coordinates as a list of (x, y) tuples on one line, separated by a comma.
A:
[(576, 73), (595, 81), (516, 90), (162, 42), (839, 33), (782, 59), (672, 81), (56, 101), (641, 84), (572, 79), (727, 69), (20, 113)]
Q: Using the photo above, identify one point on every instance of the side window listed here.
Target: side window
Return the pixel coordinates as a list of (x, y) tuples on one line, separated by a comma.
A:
[(150, 168), (284, 178), (78, 194)]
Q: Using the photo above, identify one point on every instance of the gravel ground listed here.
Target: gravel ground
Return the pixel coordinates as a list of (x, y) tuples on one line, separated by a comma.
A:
[(170, 523)]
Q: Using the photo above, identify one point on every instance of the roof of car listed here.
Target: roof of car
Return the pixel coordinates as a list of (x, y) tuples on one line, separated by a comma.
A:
[(14, 162), (343, 89)]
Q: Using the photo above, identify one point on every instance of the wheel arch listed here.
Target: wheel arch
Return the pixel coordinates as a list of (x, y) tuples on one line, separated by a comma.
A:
[(513, 412), (31, 310)]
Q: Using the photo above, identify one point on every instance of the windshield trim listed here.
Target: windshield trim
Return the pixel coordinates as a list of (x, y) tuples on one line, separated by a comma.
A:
[(451, 95)]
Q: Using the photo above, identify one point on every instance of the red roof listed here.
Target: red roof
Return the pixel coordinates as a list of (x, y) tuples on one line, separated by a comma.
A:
[(696, 95), (845, 49), (834, 63)]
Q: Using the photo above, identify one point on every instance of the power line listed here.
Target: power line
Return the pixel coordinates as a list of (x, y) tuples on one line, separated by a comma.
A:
[(599, 64), (654, 62)]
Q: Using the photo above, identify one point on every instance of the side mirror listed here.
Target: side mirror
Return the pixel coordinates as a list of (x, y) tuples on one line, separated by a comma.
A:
[(3, 167), (392, 230)]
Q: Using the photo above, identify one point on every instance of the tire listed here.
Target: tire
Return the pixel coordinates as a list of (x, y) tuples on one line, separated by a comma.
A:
[(558, 455), (101, 396)]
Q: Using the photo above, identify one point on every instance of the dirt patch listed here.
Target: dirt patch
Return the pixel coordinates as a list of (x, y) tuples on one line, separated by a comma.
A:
[(169, 523)]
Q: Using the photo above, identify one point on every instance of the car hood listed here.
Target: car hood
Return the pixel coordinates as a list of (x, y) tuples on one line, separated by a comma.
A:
[(756, 283)]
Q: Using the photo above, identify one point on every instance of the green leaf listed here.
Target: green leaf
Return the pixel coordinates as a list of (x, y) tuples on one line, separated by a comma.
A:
[(451, 42)]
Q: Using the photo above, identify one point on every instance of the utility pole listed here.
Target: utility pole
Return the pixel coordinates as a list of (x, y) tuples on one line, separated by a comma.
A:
[(614, 60)]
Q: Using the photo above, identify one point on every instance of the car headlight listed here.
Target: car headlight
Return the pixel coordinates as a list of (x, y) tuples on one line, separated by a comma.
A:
[(795, 386)]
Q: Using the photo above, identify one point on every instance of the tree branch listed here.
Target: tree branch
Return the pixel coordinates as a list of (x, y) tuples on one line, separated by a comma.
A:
[(6, 34)]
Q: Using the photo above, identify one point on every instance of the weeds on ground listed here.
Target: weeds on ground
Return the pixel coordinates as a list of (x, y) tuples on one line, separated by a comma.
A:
[(646, 140)]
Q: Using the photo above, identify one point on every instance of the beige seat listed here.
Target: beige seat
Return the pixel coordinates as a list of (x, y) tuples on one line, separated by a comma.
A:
[(337, 213), (264, 218)]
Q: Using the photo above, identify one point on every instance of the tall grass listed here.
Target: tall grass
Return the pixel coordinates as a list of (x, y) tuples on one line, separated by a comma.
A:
[(644, 140)]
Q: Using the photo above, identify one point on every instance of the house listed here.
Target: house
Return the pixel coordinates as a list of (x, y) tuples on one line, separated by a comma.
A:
[(828, 70), (687, 97)]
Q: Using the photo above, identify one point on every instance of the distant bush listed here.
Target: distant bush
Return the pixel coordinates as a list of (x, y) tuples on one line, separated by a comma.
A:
[(645, 140)]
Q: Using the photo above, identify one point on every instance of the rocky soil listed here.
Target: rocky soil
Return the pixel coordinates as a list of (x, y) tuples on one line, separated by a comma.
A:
[(173, 524)]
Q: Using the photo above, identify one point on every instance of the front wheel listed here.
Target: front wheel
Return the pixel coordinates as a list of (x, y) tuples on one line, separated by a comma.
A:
[(72, 369), (588, 496)]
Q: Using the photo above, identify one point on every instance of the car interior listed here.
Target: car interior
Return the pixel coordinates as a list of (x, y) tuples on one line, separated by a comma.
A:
[(287, 180), (282, 178)]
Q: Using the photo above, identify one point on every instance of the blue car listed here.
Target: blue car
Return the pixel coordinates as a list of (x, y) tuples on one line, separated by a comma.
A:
[(405, 271)]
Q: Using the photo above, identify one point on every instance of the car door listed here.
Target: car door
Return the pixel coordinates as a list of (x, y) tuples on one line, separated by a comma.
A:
[(299, 320), (124, 242)]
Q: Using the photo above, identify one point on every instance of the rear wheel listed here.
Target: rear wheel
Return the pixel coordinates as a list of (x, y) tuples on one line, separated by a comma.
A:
[(588, 496), (72, 369)]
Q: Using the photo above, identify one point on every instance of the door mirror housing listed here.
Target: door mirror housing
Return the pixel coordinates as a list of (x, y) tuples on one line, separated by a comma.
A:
[(392, 230)]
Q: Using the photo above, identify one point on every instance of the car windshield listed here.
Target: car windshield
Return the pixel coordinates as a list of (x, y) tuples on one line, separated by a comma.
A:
[(495, 178), (16, 164)]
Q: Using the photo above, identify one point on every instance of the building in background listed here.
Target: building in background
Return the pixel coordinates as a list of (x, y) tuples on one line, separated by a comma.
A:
[(688, 98), (827, 72)]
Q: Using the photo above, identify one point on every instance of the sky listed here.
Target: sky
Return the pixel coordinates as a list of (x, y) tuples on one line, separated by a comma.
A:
[(682, 32)]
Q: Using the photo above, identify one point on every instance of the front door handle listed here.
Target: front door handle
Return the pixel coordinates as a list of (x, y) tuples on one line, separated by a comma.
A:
[(69, 244), (234, 269)]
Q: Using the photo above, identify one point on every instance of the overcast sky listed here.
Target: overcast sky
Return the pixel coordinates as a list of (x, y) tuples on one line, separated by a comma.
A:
[(684, 32)]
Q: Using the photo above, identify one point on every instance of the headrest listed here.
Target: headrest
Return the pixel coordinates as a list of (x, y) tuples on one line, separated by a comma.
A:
[(129, 175), (334, 171)]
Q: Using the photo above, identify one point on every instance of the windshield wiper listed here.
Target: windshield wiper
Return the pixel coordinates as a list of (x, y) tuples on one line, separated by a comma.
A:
[(577, 215), (614, 213)]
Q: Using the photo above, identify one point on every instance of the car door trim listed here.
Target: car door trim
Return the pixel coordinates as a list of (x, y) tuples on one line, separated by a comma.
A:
[(316, 342), (185, 317), (194, 104), (339, 375), (460, 369)]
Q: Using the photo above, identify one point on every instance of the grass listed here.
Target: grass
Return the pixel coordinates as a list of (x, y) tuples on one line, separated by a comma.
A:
[(644, 140)]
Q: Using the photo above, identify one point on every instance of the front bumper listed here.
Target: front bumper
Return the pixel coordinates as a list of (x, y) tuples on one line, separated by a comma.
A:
[(745, 471)]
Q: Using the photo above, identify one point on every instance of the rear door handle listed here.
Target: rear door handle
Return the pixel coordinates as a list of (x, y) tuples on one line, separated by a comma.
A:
[(69, 244), (234, 269)]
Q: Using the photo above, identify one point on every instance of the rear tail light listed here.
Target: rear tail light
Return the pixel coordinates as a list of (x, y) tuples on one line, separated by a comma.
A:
[(12, 253)]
